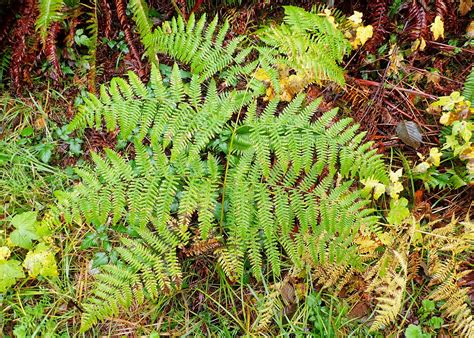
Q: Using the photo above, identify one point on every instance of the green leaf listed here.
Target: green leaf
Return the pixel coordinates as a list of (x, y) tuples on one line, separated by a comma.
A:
[(428, 305), (41, 261), (10, 271), (414, 331), (25, 231), (28, 131), (398, 211), (436, 322), (99, 259)]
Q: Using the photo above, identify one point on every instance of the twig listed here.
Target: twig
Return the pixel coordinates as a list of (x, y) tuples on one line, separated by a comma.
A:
[(445, 46), (391, 86), (175, 5)]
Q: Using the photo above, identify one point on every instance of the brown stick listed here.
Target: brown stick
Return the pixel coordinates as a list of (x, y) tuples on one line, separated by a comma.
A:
[(445, 46), (390, 86)]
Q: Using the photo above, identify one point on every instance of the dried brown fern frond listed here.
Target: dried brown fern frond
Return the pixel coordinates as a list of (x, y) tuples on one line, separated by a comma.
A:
[(51, 51), (202, 247), (389, 276), (448, 246), (122, 16), (107, 15), (465, 6), (417, 25), (24, 28), (456, 304), (441, 9), (270, 303), (414, 262), (333, 275), (389, 301), (378, 14)]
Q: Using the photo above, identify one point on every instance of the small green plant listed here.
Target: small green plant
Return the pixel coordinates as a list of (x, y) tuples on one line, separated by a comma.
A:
[(427, 316), (457, 138), (326, 318), (39, 260), (415, 331)]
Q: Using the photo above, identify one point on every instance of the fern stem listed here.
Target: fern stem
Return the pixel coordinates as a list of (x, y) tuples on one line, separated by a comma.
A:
[(175, 5), (234, 130)]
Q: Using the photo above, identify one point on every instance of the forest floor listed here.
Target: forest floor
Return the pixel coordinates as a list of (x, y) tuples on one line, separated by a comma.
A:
[(392, 84)]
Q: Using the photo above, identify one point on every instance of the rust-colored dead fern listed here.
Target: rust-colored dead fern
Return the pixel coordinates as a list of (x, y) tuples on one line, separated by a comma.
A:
[(378, 15), (124, 23), (202, 247), (106, 12), (24, 29), (417, 25), (51, 51)]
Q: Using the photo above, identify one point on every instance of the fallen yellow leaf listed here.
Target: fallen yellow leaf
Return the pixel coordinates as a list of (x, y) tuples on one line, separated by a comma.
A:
[(364, 33), (261, 75), (418, 44), (437, 28), (356, 18), (435, 156), (4, 253)]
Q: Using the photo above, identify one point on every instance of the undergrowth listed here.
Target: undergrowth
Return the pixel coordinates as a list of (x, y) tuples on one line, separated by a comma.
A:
[(229, 202)]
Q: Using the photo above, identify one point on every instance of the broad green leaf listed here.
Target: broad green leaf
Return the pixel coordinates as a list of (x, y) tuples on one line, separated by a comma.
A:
[(414, 331), (25, 231), (41, 261), (398, 211), (10, 271)]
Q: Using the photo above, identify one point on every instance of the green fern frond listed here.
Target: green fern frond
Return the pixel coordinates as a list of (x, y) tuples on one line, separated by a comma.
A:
[(49, 11), (468, 91), (199, 46), (307, 42), (140, 15), (286, 187)]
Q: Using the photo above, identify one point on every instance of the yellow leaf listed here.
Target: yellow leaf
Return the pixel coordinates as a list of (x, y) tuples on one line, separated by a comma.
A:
[(467, 154), (396, 59), (269, 94), (364, 33), (446, 119), (418, 44), (421, 168), (328, 15), (261, 75), (374, 184), (356, 18), (435, 156), (386, 238), (395, 189), (41, 261), (396, 175), (437, 28), (4, 253)]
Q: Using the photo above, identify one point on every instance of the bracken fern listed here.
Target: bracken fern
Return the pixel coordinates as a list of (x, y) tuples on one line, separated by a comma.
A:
[(283, 183)]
